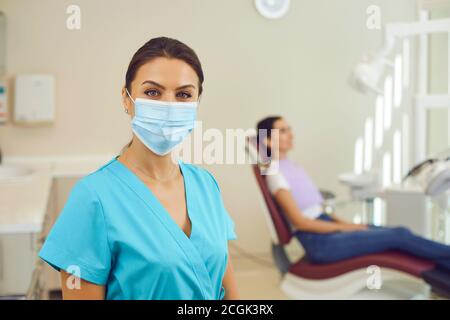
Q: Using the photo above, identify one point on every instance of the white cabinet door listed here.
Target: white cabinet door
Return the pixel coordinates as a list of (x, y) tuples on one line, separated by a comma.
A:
[(17, 262)]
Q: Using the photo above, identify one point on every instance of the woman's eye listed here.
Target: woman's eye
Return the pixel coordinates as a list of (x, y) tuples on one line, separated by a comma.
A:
[(152, 93), (184, 95)]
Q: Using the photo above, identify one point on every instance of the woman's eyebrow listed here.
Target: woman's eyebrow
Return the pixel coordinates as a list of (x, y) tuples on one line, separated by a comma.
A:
[(186, 86), (153, 83), (164, 88)]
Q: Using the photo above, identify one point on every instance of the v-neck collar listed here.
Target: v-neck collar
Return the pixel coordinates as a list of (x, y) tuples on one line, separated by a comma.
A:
[(147, 194)]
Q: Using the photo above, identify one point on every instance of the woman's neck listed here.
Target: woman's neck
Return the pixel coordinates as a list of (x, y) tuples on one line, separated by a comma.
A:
[(139, 156)]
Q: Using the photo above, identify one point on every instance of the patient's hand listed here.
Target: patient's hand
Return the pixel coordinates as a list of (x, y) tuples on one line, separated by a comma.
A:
[(348, 227)]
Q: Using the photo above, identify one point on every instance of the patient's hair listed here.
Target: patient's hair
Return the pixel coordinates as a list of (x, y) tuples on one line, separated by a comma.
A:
[(266, 124), (163, 47)]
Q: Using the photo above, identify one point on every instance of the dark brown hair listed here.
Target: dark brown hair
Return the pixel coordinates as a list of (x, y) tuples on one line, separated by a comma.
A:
[(266, 124), (164, 47)]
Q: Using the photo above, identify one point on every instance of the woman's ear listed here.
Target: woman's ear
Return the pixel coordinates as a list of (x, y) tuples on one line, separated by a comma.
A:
[(123, 94)]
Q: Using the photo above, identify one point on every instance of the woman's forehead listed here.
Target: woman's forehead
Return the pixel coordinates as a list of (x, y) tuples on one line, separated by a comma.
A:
[(280, 123), (167, 72)]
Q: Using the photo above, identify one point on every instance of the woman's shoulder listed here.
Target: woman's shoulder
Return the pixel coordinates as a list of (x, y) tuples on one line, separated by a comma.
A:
[(276, 179), (86, 186)]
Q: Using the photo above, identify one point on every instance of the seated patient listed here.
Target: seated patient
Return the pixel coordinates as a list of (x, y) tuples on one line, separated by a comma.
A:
[(326, 238)]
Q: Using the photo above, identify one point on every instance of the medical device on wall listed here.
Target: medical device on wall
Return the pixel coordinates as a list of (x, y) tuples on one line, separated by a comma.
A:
[(34, 99), (272, 9)]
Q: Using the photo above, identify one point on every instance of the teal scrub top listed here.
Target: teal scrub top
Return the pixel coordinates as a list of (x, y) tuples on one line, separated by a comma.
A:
[(113, 231)]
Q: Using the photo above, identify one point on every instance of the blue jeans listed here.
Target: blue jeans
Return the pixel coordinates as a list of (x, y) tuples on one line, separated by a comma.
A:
[(331, 247)]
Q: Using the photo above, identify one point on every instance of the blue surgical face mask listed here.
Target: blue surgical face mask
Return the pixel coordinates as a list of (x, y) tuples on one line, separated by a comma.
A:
[(161, 125)]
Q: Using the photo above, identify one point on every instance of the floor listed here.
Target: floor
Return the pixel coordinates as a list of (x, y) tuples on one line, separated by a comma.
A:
[(257, 278)]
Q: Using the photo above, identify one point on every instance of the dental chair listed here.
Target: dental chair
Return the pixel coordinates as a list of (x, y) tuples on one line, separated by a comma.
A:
[(402, 276)]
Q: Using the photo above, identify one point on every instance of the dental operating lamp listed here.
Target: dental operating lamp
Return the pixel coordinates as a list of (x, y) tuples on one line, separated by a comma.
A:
[(367, 73)]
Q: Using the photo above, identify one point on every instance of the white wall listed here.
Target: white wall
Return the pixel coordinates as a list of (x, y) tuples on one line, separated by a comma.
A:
[(297, 67), (438, 121)]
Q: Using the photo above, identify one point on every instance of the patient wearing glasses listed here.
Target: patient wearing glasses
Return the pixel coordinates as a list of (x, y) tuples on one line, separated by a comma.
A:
[(327, 238)]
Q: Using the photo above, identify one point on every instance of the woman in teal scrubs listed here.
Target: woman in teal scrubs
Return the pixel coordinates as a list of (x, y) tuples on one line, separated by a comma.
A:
[(143, 226)]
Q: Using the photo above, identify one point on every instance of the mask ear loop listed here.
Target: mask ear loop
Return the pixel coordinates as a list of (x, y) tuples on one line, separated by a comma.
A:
[(128, 93)]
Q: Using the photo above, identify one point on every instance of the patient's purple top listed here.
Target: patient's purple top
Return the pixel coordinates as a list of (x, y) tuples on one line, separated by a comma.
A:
[(303, 189)]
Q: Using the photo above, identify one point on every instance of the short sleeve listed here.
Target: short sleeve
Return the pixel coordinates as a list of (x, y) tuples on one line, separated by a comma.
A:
[(276, 182), (78, 242), (229, 223)]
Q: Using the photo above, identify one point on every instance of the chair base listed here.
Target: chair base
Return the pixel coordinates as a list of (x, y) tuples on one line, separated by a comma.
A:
[(353, 285)]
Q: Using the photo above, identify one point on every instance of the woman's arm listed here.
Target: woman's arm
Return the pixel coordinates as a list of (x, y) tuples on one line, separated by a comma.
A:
[(229, 283), (85, 291), (287, 203), (342, 221)]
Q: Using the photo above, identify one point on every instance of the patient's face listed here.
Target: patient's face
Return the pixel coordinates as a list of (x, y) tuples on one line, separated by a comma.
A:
[(163, 79), (286, 138)]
